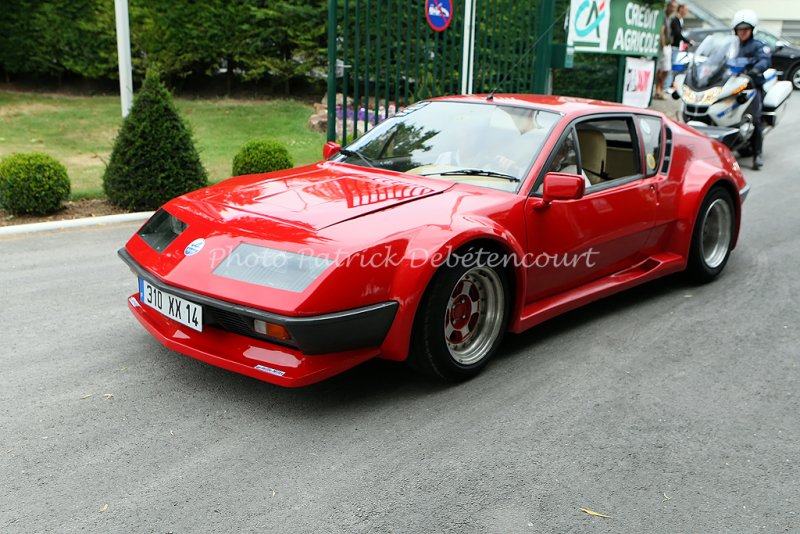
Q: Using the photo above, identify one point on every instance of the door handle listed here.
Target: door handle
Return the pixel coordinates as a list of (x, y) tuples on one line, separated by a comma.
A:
[(654, 190)]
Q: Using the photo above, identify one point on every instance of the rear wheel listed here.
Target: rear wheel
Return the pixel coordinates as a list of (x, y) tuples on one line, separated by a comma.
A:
[(713, 236), (795, 76), (461, 319)]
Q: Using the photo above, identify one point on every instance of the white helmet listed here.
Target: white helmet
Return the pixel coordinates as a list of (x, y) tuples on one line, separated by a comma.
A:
[(745, 17)]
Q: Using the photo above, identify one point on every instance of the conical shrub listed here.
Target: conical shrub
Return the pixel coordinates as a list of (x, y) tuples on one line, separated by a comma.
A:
[(154, 158)]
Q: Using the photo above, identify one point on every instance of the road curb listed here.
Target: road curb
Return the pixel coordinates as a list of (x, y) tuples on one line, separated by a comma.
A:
[(74, 223)]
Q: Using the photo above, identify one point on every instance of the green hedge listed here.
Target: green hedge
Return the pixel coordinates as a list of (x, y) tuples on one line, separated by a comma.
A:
[(259, 156), (32, 184)]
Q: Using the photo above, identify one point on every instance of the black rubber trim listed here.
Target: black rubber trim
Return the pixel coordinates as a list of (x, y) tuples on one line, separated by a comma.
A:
[(318, 334)]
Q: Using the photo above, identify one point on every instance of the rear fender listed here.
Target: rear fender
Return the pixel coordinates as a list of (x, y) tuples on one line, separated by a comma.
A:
[(693, 193)]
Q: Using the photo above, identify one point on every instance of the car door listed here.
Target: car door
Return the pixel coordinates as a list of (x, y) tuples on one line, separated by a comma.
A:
[(573, 242)]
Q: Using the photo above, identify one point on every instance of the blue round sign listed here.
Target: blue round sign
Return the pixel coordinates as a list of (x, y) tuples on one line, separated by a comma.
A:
[(439, 14)]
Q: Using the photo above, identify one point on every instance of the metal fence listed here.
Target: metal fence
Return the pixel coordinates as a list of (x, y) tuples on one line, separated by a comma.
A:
[(387, 56)]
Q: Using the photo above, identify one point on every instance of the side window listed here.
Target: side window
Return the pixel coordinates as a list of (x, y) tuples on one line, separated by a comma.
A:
[(566, 159), (608, 149), (651, 143)]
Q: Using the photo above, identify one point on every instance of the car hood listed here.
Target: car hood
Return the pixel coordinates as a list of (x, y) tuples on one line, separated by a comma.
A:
[(331, 211), (317, 196)]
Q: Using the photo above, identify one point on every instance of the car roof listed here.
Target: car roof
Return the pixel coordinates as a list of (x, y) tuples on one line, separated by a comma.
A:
[(565, 105)]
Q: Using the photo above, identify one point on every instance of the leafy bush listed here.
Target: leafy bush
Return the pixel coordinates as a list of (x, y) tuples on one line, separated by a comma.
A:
[(32, 183), (260, 156), (154, 158)]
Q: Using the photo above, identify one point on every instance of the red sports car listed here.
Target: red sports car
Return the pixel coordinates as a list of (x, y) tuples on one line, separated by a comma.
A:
[(432, 235)]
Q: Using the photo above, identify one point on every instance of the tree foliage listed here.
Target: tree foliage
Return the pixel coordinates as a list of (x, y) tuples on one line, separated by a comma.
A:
[(154, 158), (281, 42), (243, 40)]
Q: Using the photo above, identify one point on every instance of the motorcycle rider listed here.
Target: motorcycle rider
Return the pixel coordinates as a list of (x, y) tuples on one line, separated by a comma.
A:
[(758, 60)]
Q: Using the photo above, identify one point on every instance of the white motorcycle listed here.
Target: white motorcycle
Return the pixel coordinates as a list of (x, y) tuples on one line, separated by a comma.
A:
[(718, 98)]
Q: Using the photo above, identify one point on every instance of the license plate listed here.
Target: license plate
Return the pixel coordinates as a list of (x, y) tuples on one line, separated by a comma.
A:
[(178, 309)]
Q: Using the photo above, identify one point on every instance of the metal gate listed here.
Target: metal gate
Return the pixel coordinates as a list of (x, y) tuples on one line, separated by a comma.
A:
[(386, 55)]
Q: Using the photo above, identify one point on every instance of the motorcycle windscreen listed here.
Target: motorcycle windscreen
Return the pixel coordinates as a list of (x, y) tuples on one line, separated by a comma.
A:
[(710, 64)]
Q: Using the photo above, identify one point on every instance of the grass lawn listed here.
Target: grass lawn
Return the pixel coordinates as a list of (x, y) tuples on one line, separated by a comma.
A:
[(79, 131)]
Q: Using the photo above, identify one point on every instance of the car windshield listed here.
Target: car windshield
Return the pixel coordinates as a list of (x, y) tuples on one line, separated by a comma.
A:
[(478, 143), (710, 62), (767, 38)]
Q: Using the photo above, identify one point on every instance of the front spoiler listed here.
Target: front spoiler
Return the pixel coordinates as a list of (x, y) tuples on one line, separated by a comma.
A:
[(278, 365), (317, 334), (726, 136)]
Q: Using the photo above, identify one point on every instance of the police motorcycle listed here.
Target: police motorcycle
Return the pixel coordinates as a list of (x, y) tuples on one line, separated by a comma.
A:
[(718, 98)]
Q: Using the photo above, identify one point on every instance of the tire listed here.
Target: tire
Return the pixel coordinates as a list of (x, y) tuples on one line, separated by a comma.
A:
[(794, 76), (712, 237), (746, 150), (462, 318)]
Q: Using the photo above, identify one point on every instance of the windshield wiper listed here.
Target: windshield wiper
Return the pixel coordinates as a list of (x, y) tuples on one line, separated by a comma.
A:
[(362, 157), (475, 172)]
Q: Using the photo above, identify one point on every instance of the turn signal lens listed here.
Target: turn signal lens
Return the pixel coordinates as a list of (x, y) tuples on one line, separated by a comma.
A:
[(739, 90), (272, 330)]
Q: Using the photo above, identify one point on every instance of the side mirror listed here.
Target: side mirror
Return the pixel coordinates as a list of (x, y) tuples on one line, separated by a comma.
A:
[(330, 149), (562, 186)]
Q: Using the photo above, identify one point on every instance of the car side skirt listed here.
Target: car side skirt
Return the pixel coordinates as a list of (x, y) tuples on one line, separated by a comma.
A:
[(653, 267)]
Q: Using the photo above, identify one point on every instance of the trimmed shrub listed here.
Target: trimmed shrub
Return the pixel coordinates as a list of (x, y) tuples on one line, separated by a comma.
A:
[(264, 155), (154, 158), (32, 183)]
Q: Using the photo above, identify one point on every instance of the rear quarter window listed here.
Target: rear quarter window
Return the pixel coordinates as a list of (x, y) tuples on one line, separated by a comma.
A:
[(650, 128)]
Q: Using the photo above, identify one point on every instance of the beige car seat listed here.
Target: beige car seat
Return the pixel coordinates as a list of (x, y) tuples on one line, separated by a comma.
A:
[(593, 154)]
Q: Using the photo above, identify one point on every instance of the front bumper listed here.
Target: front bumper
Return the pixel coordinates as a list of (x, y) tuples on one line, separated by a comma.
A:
[(321, 346)]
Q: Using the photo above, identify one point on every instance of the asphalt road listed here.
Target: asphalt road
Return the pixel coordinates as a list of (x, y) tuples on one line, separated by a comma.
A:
[(670, 408)]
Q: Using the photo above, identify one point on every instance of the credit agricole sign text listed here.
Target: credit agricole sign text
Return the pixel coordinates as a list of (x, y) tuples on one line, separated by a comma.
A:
[(614, 27)]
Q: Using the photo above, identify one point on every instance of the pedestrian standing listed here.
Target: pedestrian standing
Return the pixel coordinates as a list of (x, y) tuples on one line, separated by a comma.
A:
[(678, 37), (664, 70)]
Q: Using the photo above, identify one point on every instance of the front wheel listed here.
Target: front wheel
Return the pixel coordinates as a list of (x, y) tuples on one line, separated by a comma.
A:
[(712, 238), (461, 319)]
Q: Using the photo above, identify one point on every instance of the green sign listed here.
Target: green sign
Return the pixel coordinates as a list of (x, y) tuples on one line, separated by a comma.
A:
[(615, 27)]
